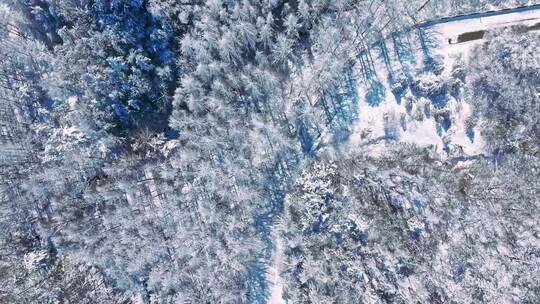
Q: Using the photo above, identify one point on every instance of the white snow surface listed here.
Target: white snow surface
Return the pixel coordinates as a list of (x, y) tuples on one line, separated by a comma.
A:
[(275, 280)]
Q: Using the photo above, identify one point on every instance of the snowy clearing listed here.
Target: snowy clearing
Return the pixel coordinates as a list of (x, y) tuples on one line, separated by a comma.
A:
[(392, 111)]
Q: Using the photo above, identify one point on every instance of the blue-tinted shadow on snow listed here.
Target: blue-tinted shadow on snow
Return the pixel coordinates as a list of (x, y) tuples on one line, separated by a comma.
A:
[(439, 99), (430, 62), (405, 57), (427, 43), (386, 58), (403, 50), (366, 65), (339, 108), (397, 80), (346, 111), (470, 134), (375, 95), (375, 89), (307, 133), (306, 138)]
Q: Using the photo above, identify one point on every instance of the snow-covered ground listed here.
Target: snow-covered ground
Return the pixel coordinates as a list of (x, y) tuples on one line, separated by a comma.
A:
[(395, 111)]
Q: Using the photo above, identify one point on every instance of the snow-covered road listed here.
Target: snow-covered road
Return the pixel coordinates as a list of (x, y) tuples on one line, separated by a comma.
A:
[(457, 34), (493, 15)]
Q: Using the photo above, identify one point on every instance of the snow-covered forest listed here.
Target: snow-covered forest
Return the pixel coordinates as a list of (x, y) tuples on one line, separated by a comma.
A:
[(270, 151)]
